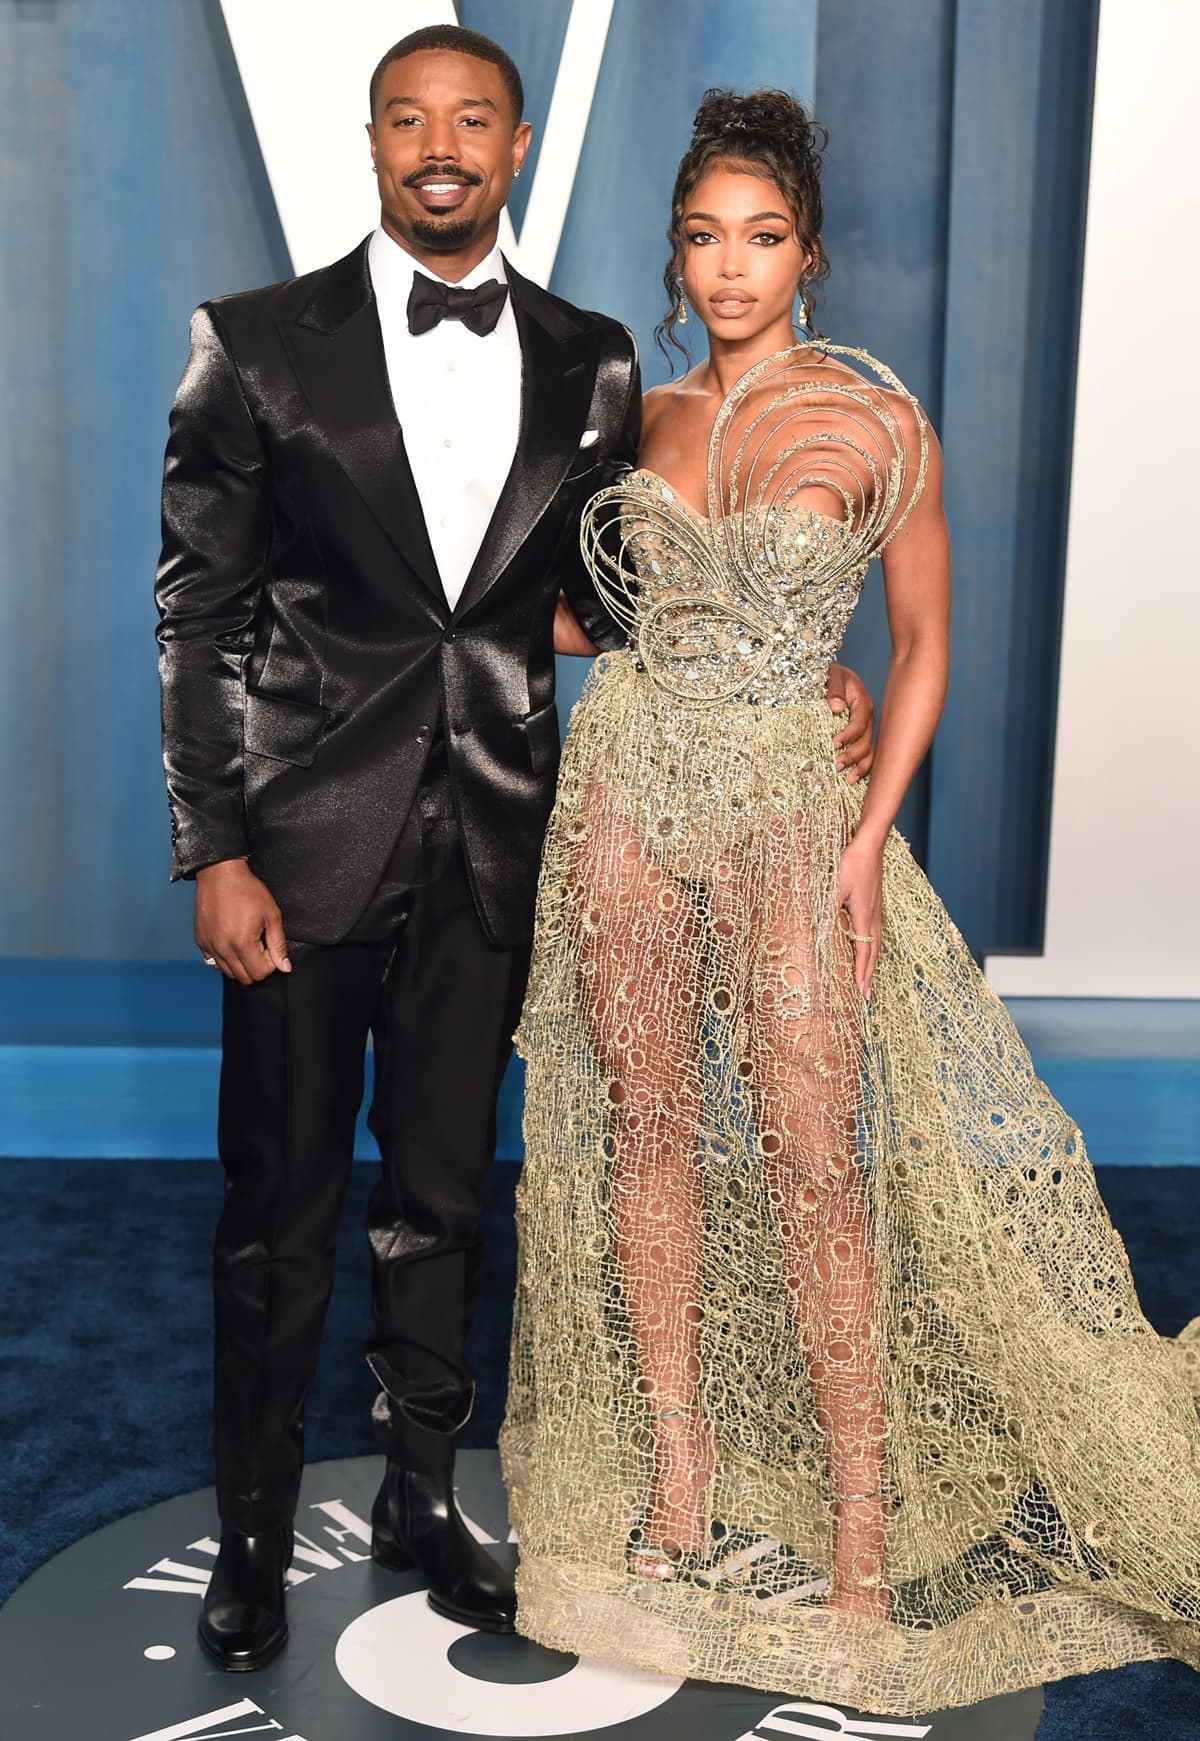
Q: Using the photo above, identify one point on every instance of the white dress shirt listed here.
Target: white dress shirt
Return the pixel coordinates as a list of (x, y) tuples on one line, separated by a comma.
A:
[(457, 395)]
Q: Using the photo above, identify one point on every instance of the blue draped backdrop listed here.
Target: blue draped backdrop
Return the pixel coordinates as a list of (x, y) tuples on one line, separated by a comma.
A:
[(131, 186)]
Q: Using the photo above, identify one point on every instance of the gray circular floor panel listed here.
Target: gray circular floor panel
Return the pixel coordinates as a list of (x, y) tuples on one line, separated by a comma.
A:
[(100, 1645)]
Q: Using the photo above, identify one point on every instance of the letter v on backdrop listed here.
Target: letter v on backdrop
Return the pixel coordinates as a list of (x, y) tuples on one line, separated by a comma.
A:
[(306, 88)]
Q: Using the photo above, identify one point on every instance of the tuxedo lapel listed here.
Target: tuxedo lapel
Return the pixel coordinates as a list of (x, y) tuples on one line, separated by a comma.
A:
[(336, 348), (556, 390)]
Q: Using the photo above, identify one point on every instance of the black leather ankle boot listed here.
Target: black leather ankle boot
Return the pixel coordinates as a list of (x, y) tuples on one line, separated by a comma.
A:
[(415, 1522), (243, 1623)]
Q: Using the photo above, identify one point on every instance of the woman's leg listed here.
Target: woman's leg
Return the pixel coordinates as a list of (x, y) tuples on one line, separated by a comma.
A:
[(640, 947), (804, 1072)]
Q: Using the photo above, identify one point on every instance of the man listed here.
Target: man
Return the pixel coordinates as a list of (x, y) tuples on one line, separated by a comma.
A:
[(370, 505)]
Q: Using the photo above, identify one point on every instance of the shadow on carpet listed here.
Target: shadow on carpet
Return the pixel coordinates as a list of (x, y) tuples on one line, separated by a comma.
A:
[(105, 1364)]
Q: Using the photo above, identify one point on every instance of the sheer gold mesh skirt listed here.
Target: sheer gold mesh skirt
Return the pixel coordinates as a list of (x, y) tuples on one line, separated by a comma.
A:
[(828, 1373)]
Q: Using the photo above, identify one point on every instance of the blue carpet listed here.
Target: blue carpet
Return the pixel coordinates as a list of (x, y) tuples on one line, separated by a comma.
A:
[(104, 1368), (1148, 1701)]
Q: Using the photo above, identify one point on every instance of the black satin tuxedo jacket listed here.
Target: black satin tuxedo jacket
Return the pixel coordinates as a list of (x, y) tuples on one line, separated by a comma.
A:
[(307, 652)]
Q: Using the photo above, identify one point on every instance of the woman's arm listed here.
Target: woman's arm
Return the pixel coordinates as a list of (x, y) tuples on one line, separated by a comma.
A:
[(916, 577), (568, 636), (916, 573)]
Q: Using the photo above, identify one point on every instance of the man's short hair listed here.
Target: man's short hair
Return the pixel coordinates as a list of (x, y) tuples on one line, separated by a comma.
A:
[(454, 36)]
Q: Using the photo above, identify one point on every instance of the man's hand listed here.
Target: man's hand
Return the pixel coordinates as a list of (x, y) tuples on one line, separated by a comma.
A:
[(568, 636), (238, 923), (855, 733)]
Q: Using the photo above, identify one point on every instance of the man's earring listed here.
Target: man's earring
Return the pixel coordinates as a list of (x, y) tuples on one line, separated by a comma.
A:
[(374, 169), (516, 173)]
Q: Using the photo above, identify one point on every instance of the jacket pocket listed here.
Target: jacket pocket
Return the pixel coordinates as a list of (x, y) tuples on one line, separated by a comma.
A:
[(284, 731), (541, 734)]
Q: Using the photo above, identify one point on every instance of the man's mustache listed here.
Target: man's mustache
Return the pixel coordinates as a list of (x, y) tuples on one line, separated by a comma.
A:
[(451, 172)]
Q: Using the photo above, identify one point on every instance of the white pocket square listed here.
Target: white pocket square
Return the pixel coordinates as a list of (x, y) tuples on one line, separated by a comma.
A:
[(589, 438)]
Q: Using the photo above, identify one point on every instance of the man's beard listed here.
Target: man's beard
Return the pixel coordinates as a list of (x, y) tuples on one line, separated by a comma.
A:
[(444, 238)]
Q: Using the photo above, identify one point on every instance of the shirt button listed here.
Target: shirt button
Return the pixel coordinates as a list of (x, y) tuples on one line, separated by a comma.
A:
[(447, 442)]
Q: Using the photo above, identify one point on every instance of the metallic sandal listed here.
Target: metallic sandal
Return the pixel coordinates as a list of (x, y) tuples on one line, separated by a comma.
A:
[(650, 1560)]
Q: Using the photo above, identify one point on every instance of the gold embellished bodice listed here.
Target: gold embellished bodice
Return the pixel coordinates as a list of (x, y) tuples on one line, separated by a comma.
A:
[(811, 470), (707, 631)]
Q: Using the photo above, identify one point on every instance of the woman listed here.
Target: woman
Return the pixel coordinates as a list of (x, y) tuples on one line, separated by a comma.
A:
[(829, 1375)]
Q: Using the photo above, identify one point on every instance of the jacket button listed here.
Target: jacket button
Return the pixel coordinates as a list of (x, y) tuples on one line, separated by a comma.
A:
[(423, 735), (450, 640)]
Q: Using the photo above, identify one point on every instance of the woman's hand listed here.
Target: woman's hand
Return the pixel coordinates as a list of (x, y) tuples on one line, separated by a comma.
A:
[(568, 636), (849, 697), (860, 896)]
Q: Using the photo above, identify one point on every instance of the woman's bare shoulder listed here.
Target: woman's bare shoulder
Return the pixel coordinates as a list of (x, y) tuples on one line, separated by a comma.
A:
[(898, 398), (668, 395)]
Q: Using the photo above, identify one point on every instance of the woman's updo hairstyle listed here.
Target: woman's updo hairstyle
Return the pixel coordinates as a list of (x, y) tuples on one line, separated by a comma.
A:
[(771, 134)]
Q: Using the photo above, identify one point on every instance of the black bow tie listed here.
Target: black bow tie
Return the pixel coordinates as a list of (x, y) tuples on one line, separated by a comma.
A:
[(430, 302)]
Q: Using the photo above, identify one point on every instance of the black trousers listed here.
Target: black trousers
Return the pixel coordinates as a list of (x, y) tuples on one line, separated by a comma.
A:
[(419, 975)]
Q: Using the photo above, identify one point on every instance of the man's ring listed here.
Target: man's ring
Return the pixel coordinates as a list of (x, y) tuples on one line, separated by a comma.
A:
[(855, 938), (210, 961)]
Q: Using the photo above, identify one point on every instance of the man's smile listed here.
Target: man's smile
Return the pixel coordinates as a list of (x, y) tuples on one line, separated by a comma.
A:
[(441, 190)]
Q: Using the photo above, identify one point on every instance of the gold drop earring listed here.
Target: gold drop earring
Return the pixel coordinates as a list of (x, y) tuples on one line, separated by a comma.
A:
[(681, 310), (802, 311)]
